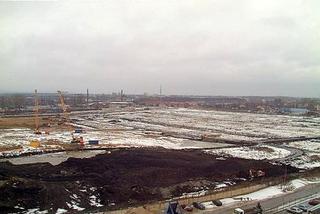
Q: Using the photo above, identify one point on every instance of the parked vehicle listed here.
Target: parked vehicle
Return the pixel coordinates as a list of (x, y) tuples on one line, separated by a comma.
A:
[(294, 210), (218, 203), (238, 211), (314, 209), (198, 206), (314, 202), (188, 208), (303, 207), (252, 210)]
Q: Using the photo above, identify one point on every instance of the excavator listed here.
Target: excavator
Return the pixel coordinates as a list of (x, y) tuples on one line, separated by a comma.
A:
[(66, 120)]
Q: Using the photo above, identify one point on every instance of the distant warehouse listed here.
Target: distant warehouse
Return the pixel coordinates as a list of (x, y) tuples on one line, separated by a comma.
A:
[(296, 111)]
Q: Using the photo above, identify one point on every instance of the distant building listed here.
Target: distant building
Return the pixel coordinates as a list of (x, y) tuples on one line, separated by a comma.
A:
[(296, 111), (120, 104)]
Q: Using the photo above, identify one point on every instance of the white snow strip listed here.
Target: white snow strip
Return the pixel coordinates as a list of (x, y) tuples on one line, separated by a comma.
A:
[(256, 153), (61, 211), (74, 206), (35, 211), (194, 194), (94, 201), (208, 204)]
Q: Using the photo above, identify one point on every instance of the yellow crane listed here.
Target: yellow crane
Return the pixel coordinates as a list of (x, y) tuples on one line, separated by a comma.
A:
[(36, 143), (36, 113), (64, 107), (67, 119)]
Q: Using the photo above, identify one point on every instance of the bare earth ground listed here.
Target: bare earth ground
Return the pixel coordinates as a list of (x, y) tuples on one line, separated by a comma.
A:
[(18, 122), (118, 179), (29, 122)]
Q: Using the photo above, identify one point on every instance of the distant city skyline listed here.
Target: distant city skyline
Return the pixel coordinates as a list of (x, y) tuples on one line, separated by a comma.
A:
[(227, 48)]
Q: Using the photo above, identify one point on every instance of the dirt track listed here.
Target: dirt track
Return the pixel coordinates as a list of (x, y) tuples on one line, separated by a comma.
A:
[(121, 178)]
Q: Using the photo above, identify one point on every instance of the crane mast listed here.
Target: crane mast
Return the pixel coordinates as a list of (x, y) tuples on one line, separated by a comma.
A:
[(77, 140), (36, 112), (64, 107)]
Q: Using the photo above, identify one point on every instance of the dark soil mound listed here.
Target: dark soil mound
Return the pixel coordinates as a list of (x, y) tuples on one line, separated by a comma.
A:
[(121, 178)]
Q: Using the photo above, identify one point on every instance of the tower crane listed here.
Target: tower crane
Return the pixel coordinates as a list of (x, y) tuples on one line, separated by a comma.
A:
[(36, 112), (67, 119), (64, 107)]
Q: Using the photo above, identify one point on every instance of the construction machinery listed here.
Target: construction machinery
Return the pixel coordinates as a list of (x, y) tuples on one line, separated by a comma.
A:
[(36, 143), (66, 121), (64, 108)]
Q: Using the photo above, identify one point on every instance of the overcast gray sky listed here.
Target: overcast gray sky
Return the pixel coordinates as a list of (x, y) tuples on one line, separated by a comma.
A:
[(239, 47)]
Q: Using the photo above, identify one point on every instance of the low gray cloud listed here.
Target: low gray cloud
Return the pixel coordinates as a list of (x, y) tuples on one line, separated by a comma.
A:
[(189, 47)]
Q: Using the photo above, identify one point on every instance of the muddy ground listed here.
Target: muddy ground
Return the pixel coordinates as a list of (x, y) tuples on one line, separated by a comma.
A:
[(118, 179)]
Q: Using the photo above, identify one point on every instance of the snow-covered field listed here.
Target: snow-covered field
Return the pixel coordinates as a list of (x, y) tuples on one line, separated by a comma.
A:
[(307, 161), (127, 138), (191, 123), (256, 153), (230, 125), (310, 145), (178, 128)]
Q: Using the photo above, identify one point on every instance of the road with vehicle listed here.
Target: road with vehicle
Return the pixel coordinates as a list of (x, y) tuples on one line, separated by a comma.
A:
[(277, 204)]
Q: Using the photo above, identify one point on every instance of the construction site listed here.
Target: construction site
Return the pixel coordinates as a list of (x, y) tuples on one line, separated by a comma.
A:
[(160, 107), (115, 158)]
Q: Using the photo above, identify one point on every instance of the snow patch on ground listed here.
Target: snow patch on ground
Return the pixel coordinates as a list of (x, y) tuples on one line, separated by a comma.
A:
[(94, 201), (227, 201), (194, 194), (74, 205), (222, 185), (264, 193), (208, 204), (18, 207), (36, 211), (61, 211), (307, 161), (257, 153), (311, 145), (298, 183), (268, 192)]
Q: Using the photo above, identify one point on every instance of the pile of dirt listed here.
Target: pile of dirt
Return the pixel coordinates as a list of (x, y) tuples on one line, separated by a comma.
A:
[(118, 179)]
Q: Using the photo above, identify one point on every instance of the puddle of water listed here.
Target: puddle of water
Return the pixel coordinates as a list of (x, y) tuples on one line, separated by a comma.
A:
[(53, 158)]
